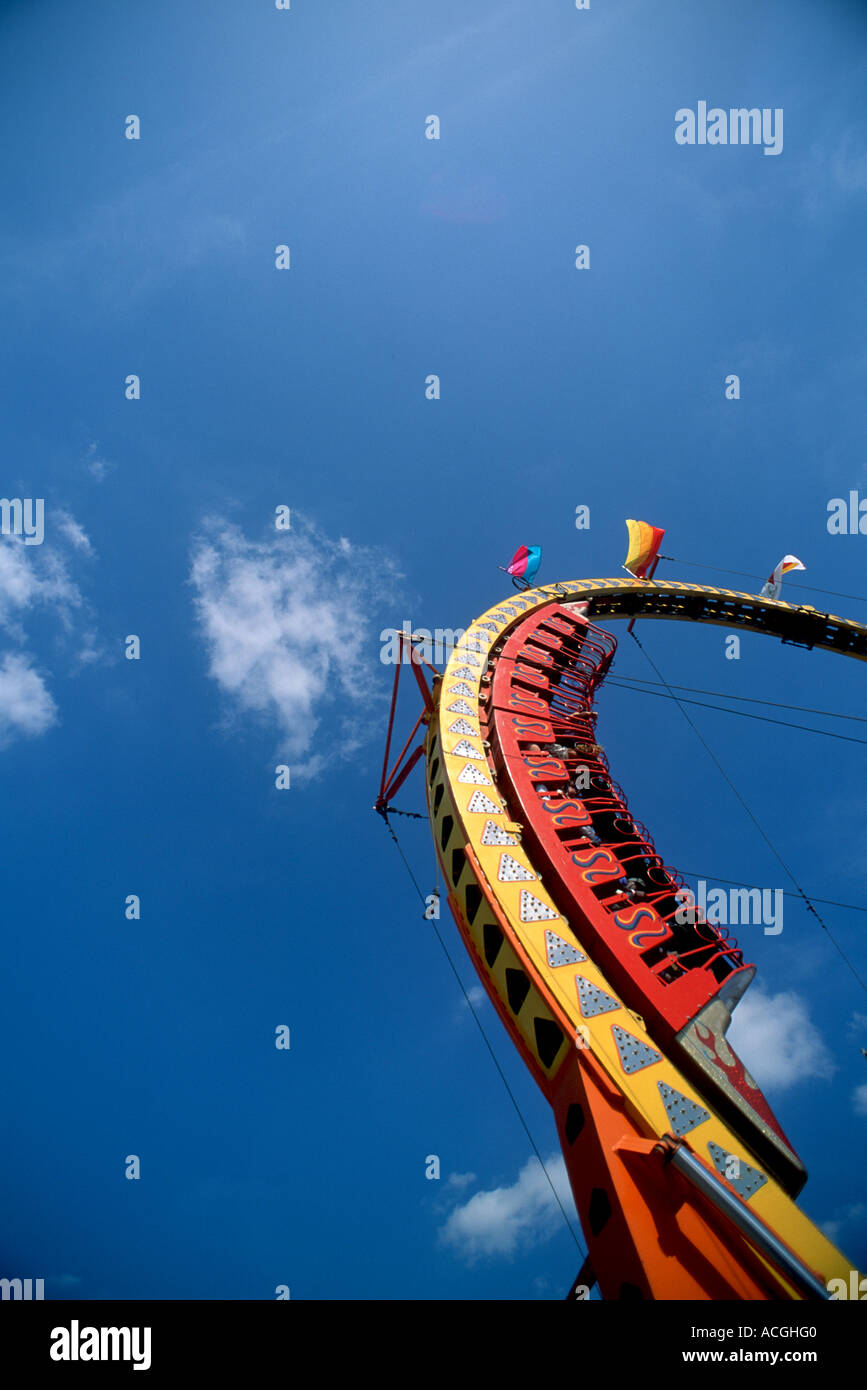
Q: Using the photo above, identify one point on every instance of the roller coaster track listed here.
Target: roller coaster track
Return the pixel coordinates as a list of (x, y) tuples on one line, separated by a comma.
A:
[(683, 1181)]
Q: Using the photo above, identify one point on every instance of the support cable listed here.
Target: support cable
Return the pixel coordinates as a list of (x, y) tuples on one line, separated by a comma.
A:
[(759, 827), (582, 1251), (744, 699), (743, 713), (741, 574)]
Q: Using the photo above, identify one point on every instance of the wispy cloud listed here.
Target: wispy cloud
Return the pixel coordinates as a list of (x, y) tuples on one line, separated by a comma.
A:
[(777, 1041), (848, 1220), (35, 580), (74, 532), (465, 1005), (167, 218), (33, 577), (859, 1099), (856, 1028), (461, 1180), (505, 1220), (286, 623), (97, 466), (26, 707), (833, 172), (849, 162)]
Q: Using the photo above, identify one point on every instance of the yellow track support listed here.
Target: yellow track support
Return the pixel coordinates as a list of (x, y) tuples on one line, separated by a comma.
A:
[(625, 1105)]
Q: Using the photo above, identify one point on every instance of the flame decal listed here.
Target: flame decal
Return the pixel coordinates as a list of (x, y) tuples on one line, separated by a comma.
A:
[(734, 1069)]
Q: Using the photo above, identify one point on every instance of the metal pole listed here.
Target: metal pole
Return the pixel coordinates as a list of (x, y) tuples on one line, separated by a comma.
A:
[(748, 1224)]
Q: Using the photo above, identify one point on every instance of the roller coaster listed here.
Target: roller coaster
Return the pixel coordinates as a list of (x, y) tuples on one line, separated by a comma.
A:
[(612, 984)]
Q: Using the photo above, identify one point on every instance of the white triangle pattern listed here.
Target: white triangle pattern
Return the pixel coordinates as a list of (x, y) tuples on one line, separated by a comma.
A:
[(592, 999), (634, 1054), (472, 774), (460, 707), (533, 910), (560, 952), (479, 803), (461, 689), (749, 1179), (494, 834), (683, 1114), (463, 749), (461, 726), (510, 871), (465, 674)]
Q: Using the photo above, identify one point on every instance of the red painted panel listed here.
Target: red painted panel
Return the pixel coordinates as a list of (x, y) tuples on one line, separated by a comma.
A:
[(665, 971)]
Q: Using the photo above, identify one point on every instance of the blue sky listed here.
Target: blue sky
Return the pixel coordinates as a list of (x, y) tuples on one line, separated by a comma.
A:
[(305, 388)]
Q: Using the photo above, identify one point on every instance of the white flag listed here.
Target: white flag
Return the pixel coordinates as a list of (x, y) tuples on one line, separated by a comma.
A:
[(775, 580)]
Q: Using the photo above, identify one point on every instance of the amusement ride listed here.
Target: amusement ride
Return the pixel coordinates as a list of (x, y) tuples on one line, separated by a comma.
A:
[(611, 982)]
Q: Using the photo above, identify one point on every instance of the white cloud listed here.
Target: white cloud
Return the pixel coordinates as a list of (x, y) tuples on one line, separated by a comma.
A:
[(848, 163), (461, 1180), (856, 1028), (287, 626), (852, 1217), (74, 532), (832, 172), (167, 215), (34, 575), (31, 576), (859, 1099), (26, 708), (36, 579), (89, 651), (96, 465), (507, 1219), (468, 1004), (777, 1042)]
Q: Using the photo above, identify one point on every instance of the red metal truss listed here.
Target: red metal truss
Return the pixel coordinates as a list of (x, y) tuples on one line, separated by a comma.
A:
[(392, 781)]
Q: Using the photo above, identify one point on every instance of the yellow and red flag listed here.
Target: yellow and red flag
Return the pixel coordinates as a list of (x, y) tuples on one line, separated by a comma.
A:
[(644, 543)]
